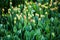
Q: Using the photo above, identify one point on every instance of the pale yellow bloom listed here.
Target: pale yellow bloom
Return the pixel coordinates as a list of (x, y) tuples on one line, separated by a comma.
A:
[(2, 9), (46, 12), (19, 5), (17, 15), (53, 34), (15, 18), (39, 19), (42, 15), (10, 2), (33, 20), (32, 14), (26, 3), (30, 6), (39, 4), (15, 8), (55, 3), (9, 9), (30, 2), (37, 14), (29, 17), (14, 21)]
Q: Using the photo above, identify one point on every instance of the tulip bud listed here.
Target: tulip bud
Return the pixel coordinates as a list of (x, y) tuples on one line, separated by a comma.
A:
[(39, 4), (3, 9), (42, 15), (18, 5), (10, 2), (53, 34), (14, 21), (24, 16), (37, 14), (14, 18), (39, 19), (46, 12), (9, 11)]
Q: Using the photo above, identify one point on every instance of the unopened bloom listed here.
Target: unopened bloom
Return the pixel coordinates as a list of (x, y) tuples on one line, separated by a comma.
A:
[(42, 15)]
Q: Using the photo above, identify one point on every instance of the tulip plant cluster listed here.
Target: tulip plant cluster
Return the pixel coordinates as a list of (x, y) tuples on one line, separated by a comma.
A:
[(31, 21)]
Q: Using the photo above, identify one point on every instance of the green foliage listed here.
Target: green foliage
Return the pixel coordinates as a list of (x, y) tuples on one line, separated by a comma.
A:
[(30, 21)]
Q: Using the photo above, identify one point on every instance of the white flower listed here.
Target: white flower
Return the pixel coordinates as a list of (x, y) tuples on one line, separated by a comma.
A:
[(26, 2), (42, 15), (15, 9), (37, 14), (20, 15), (14, 21), (40, 9), (30, 6), (29, 17), (55, 3), (15, 18), (28, 14), (33, 20), (25, 7), (12, 7), (39, 4), (32, 14), (46, 7), (18, 5), (46, 12), (10, 2), (53, 34), (18, 9), (39, 19), (2, 9), (19, 18), (9, 9), (30, 2), (17, 15)]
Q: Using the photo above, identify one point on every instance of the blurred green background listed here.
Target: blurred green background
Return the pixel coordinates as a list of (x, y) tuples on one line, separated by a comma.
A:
[(29, 19)]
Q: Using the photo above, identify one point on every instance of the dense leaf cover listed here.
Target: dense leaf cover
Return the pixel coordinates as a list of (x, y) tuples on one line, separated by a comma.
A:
[(29, 20)]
